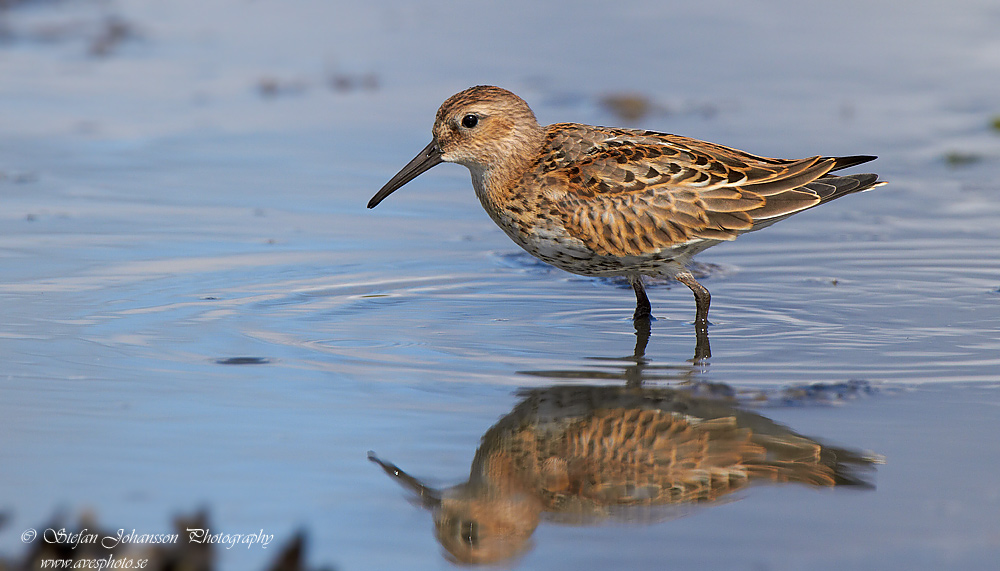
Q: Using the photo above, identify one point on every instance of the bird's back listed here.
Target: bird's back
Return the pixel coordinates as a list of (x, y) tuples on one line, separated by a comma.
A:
[(627, 193)]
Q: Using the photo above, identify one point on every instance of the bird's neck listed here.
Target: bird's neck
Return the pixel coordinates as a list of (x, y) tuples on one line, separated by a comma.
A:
[(499, 178)]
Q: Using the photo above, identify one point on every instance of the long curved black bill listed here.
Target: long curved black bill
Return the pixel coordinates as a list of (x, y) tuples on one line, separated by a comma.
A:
[(430, 156), (429, 497)]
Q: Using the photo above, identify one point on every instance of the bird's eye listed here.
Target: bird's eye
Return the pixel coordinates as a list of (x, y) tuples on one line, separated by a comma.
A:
[(469, 531), (470, 121)]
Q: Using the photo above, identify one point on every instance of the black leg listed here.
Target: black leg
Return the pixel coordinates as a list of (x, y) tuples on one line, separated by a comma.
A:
[(642, 307), (702, 298)]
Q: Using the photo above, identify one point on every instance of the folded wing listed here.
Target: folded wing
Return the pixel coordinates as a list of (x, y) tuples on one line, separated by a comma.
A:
[(636, 193)]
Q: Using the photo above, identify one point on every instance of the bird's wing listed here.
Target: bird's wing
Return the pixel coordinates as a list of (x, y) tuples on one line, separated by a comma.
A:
[(630, 456), (633, 193)]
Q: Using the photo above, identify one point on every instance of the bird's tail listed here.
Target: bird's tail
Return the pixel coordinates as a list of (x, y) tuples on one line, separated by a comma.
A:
[(798, 459)]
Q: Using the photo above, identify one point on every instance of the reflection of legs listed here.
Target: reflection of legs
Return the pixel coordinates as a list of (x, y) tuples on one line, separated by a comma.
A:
[(642, 316), (642, 330), (633, 373), (702, 349), (702, 298), (642, 308)]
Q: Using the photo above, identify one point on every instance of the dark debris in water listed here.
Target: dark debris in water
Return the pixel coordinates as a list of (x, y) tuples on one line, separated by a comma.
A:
[(9, 4), (25, 177), (957, 159), (633, 107), (995, 124), (243, 361), (629, 107), (58, 545), (101, 34), (111, 34), (270, 87), (346, 82)]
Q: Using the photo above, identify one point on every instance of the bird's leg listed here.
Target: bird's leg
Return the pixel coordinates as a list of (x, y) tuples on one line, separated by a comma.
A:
[(702, 347), (642, 307), (702, 298)]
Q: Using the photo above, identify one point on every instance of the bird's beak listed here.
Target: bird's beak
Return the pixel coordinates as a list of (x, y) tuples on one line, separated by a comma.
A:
[(427, 158), (429, 497)]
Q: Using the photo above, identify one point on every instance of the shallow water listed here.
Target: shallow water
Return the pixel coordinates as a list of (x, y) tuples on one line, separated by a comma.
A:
[(199, 311)]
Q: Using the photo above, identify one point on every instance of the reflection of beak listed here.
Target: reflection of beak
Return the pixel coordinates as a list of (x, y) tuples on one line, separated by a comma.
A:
[(429, 497), (427, 158)]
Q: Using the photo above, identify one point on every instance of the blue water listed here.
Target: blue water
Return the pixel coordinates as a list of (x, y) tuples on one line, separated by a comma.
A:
[(160, 217)]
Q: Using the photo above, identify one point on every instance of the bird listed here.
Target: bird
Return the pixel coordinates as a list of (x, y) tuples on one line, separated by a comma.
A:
[(610, 202), (582, 454)]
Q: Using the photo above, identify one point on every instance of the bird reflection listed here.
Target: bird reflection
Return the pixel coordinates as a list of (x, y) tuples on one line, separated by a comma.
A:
[(638, 369), (580, 454)]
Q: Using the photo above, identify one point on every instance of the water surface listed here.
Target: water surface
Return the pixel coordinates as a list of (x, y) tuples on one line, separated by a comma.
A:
[(199, 311)]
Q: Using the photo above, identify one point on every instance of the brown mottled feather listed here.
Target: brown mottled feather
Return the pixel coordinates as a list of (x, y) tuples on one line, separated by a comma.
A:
[(652, 457), (601, 446), (648, 191), (584, 453)]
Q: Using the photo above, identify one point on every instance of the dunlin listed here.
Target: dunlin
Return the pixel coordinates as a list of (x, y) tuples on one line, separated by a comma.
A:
[(600, 201), (580, 454)]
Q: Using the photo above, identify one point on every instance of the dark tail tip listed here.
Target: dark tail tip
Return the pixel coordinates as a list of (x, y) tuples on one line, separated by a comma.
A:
[(848, 162)]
